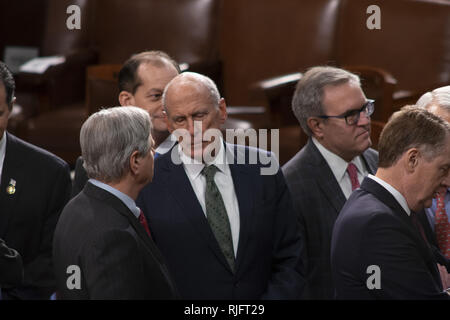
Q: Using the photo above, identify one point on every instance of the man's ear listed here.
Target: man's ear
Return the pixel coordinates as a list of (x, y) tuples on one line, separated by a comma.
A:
[(412, 159), (11, 106), (126, 98), (135, 163), (316, 126), (223, 110)]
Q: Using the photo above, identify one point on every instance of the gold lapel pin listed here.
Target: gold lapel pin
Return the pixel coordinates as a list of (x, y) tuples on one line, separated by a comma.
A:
[(11, 189)]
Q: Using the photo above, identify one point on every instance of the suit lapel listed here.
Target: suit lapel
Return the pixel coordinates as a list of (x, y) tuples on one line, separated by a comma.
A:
[(324, 177), (12, 170), (370, 165), (369, 185), (178, 183)]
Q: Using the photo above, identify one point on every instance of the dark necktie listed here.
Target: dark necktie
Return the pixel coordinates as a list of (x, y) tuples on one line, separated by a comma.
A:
[(442, 226), (157, 154), (353, 174), (418, 225), (144, 223), (217, 215)]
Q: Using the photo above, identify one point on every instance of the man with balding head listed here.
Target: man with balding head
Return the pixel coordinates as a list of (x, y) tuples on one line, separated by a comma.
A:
[(226, 229)]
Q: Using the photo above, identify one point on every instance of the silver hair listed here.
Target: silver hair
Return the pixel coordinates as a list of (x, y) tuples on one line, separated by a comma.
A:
[(196, 79), (439, 96), (109, 137), (308, 95)]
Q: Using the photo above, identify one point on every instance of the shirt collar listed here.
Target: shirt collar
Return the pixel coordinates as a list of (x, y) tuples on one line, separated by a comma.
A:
[(397, 195), (194, 167), (2, 151), (166, 145), (337, 165), (122, 196)]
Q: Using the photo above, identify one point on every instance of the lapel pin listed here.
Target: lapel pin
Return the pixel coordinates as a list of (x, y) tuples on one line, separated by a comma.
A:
[(11, 189)]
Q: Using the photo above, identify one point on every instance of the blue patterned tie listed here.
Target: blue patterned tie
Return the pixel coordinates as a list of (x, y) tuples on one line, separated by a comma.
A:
[(217, 215)]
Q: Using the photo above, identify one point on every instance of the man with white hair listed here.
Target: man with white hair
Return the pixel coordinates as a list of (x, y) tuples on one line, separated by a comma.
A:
[(227, 231), (102, 244), (437, 222)]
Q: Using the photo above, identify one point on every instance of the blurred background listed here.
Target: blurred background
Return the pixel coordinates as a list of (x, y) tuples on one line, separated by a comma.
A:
[(255, 50)]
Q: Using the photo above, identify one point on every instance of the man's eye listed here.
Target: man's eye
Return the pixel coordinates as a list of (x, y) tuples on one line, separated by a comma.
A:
[(155, 96), (199, 116)]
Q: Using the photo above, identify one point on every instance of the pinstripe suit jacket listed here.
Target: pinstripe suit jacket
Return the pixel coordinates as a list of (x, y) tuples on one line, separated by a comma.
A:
[(318, 199)]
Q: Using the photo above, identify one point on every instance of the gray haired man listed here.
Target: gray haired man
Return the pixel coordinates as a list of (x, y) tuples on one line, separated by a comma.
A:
[(334, 112), (102, 244)]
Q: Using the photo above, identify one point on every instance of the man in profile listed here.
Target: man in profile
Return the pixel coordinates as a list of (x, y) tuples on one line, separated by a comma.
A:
[(378, 248), (142, 80), (436, 221), (101, 232), (334, 112)]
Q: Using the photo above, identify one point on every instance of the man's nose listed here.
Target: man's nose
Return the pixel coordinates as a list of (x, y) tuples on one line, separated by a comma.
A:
[(364, 119)]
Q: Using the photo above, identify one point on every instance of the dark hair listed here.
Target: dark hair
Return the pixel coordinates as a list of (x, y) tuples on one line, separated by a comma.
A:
[(128, 77), (7, 79), (411, 127)]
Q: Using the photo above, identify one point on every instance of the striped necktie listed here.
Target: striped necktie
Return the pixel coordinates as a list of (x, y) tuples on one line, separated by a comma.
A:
[(442, 225), (353, 174)]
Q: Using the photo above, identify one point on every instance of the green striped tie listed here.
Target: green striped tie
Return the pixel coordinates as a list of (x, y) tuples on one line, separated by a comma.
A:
[(217, 215)]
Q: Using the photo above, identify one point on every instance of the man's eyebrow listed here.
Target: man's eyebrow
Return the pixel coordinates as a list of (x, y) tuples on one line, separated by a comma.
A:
[(152, 90)]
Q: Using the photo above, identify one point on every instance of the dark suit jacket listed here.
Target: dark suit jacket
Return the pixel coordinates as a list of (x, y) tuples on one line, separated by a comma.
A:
[(268, 263), (11, 268), (432, 240), (80, 177), (318, 198), (28, 217), (117, 259), (373, 229)]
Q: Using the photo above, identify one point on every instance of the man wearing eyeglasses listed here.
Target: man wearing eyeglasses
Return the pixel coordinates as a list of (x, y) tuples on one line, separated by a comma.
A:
[(334, 112)]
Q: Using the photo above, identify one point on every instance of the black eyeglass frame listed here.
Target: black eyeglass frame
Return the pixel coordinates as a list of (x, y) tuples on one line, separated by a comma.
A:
[(368, 107)]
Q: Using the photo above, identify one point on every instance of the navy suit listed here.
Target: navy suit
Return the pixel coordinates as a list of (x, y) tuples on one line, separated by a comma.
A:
[(268, 262), (373, 229), (318, 198)]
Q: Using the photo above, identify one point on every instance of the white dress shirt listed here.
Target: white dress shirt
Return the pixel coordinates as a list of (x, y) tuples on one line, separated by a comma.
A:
[(2, 152), (395, 193), (224, 182), (166, 145), (339, 168)]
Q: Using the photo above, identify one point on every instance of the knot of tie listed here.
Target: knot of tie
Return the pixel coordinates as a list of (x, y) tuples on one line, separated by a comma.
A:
[(209, 172)]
